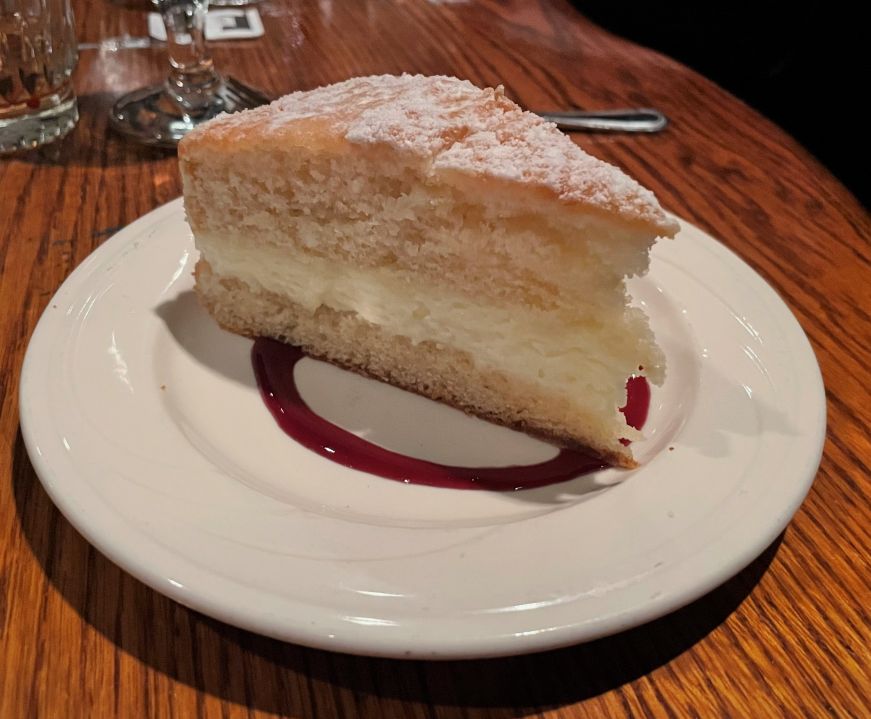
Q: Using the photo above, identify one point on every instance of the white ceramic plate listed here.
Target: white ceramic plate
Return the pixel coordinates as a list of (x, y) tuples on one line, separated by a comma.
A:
[(144, 423)]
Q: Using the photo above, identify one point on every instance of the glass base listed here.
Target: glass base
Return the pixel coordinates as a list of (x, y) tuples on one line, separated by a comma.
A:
[(33, 130), (151, 117)]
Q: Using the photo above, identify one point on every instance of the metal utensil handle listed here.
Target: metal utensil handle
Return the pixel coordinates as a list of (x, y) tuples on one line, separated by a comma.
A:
[(631, 120)]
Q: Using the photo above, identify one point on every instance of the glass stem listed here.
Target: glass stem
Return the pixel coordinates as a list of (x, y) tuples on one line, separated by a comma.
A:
[(193, 82)]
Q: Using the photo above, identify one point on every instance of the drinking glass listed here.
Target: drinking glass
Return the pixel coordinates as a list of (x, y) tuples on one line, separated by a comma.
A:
[(163, 114), (38, 53)]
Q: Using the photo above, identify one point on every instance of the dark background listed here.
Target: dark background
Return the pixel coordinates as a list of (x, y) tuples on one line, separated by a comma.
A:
[(804, 67)]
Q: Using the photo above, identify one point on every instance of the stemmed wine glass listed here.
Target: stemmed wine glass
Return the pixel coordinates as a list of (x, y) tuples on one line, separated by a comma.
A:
[(163, 114)]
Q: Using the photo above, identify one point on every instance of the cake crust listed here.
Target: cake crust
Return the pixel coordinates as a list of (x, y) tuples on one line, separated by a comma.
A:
[(469, 137)]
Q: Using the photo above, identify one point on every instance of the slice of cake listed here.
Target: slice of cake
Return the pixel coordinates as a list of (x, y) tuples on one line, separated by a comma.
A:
[(431, 234)]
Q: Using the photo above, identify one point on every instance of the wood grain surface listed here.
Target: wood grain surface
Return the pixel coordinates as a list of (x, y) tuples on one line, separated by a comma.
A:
[(789, 636)]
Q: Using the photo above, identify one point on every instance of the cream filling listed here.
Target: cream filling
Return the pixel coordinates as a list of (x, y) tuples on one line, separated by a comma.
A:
[(590, 361)]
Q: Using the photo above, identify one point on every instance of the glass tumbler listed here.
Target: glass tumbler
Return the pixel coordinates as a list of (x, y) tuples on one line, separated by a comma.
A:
[(38, 53)]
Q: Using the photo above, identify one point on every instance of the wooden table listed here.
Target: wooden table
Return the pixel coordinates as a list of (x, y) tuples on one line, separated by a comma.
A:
[(789, 636)]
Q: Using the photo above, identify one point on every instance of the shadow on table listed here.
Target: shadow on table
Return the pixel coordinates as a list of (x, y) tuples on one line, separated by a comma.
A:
[(92, 143), (274, 676)]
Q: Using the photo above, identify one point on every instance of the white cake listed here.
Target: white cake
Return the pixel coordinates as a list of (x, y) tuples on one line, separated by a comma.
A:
[(433, 235)]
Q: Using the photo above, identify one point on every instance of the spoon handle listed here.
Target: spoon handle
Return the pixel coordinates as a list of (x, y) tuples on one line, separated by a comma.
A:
[(632, 120)]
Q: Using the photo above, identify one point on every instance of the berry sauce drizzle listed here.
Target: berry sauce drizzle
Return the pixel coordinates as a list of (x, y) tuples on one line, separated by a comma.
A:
[(273, 367)]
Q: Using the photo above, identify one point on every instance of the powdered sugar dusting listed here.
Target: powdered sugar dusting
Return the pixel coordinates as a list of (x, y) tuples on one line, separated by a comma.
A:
[(458, 127)]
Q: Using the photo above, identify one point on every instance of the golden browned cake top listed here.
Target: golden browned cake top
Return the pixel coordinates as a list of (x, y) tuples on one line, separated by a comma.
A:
[(449, 123)]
